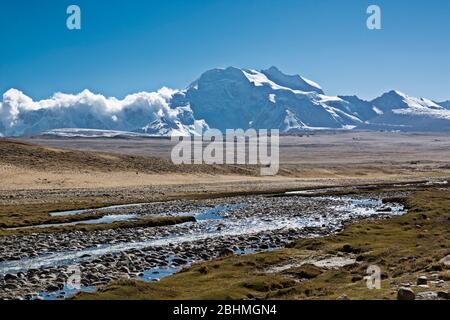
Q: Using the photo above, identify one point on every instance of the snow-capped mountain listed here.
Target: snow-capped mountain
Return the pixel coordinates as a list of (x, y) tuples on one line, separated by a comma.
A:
[(406, 113), (223, 99), (242, 98), (401, 102)]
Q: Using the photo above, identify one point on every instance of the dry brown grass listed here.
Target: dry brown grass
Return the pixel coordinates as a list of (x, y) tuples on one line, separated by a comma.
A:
[(29, 156)]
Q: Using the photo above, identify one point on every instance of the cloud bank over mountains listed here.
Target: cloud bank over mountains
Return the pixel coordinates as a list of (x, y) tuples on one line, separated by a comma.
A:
[(224, 99), (20, 115)]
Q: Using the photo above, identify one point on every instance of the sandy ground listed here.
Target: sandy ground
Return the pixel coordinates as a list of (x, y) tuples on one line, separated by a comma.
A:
[(15, 178), (323, 148), (317, 159)]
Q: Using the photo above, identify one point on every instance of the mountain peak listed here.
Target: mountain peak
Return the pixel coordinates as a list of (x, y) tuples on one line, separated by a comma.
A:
[(294, 82), (395, 100), (395, 93), (273, 69)]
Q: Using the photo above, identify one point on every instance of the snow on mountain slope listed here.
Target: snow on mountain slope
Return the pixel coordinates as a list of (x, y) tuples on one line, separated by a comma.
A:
[(224, 99), (398, 100), (361, 109), (294, 82), (403, 112), (243, 98)]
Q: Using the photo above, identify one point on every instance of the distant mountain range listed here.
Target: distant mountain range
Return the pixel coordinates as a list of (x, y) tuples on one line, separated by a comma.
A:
[(223, 99)]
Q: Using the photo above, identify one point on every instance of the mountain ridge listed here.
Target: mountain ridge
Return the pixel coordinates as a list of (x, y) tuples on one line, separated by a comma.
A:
[(227, 98)]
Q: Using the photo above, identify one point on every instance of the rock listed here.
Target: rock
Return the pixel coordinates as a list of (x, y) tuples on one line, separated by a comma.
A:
[(226, 252), (435, 267), (9, 276), (406, 284), (357, 278), (10, 286), (435, 276), (405, 294), (52, 288), (124, 269), (349, 249), (443, 295), (152, 260), (445, 261), (203, 270), (440, 283), (179, 261), (422, 280), (426, 295), (343, 297)]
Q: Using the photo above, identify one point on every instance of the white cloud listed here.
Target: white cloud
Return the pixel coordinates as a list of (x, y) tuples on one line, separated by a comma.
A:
[(19, 114)]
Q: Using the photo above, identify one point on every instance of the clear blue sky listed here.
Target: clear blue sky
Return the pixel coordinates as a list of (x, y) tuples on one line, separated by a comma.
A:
[(134, 45)]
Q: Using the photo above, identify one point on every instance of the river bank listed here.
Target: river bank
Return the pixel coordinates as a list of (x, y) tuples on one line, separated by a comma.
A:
[(34, 265), (411, 252)]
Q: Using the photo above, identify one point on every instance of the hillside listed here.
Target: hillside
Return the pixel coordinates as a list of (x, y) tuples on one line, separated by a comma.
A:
[(41, 158)]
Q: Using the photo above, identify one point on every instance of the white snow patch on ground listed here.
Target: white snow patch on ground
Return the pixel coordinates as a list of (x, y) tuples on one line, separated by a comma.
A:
[(272, 98)]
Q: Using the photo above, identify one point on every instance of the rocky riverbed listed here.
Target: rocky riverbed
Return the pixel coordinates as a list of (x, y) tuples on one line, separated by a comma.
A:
[(54, 266)]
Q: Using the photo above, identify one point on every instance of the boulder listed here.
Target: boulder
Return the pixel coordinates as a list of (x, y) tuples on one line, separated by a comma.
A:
[(52, 288), (405, 294), (445, 261), (9, 276), (124, 269), (422, 280), (226, 252)]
